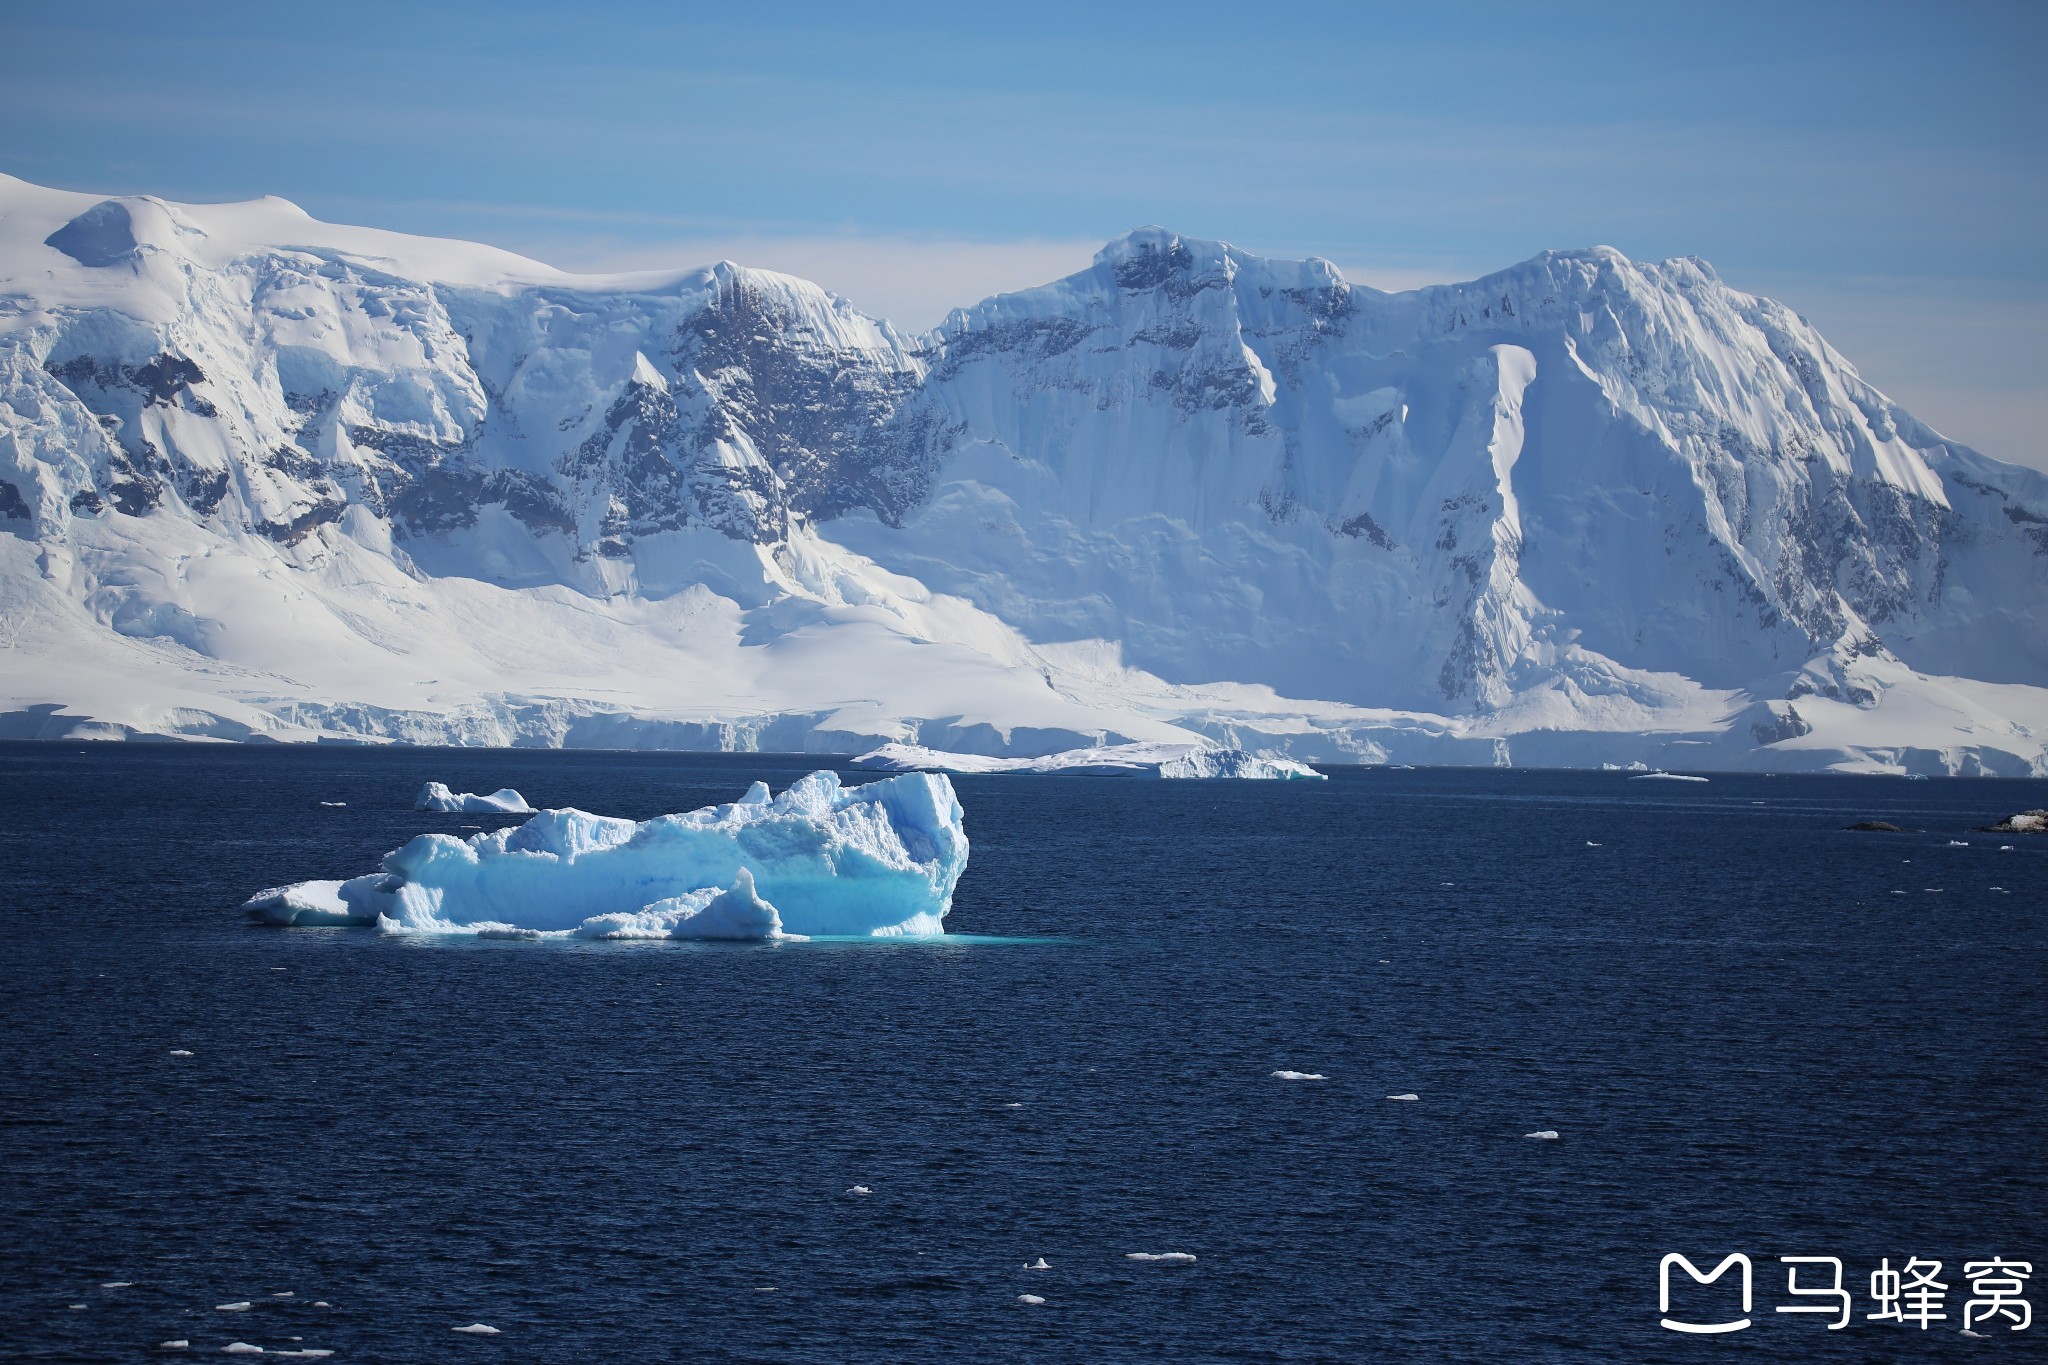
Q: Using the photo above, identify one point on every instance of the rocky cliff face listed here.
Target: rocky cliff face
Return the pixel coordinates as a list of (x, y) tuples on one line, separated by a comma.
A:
[(1585, 495)]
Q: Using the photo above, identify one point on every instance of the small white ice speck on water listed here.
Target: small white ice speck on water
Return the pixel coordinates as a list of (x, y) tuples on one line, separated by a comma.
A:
[(1040, 1264), (1300, 1076), (1404, 1097), (118, 1284), (478, 1329), (1543, 1135), (179, 1052), (1591, 844), (241, 1307), (241, 1348), (74, 1306), (283, 1294), (859, 1189), (1029, 1298), (1162, 1257)]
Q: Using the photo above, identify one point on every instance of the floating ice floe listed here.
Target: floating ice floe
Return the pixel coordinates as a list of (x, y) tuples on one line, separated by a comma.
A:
[(1300, 1076), (820, 859), (1162, 1257), (478, 1329), (242, 1307), (1405, 1098), (241, 1348), (337, 805), (1111, 760), (435, 796), (1040, 1264), (1591, 844), (859, 1189), (1543, 1135), (118, 1284), (1959, 843), (180, 1052), (1664, 777), (1029, 1298)]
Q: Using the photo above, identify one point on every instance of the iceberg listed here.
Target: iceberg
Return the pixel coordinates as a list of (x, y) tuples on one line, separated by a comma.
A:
[(1111, 760), (435, 796), (878, 860)]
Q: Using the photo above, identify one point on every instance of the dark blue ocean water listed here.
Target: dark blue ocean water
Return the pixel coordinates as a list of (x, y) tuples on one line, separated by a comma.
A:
[(1747, 1041)]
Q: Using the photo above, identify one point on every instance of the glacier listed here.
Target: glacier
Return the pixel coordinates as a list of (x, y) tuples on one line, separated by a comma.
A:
[(821, 859), (1116, 760), (268, 478), (436, 796)]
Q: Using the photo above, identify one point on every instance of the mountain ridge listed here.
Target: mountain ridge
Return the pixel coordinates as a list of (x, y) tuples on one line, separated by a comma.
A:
[(1187, 491)]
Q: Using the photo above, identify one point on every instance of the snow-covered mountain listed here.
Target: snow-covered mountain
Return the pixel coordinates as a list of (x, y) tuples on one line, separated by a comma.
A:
[(262, 476)]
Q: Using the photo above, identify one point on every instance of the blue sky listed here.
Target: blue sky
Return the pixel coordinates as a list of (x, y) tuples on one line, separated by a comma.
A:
[(1879, 166)]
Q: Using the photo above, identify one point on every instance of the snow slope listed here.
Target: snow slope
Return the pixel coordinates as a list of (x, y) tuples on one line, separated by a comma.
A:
[(266, 477)]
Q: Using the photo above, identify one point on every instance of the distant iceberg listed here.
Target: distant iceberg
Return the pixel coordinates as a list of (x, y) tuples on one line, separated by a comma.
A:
[(820, 859), (435, 796), (1113, 760), (1661, 776)]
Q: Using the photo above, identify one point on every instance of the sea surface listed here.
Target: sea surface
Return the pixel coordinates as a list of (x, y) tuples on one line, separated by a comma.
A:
[(1751, 1031)]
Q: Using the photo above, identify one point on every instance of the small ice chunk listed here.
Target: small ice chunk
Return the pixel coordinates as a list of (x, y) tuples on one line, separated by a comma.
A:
[(1162, 1257), (1040, 1264), (74, 1305), (284, 1294), (118, 1284), (1968, 1333), (478, 1329), (1543, 1135), (1029, 1298), (436, 796), (766, 1288), (2005, 848), (179, 1052), (1959, 843), (322, 1303), (859, 1189), (1300, 1076), (241, 1348), (1404, 1097), (1591, 844), (242, 1307), (334, 805)]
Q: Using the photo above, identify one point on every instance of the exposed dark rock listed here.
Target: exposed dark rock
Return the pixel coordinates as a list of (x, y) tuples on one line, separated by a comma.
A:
[(1876, 827), (2025, 822)]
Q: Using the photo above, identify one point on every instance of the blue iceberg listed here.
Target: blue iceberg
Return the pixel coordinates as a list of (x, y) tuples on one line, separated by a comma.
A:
[(819, 860)]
